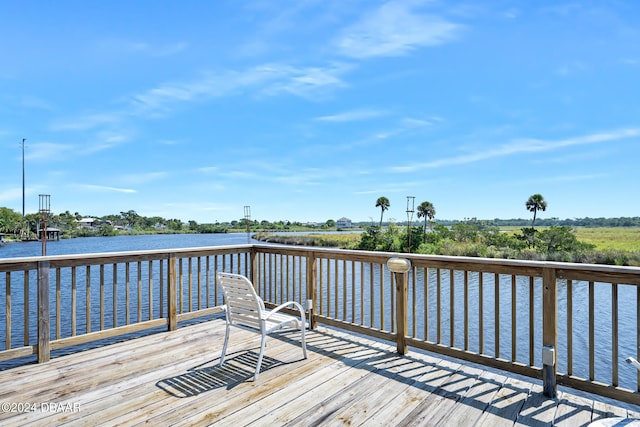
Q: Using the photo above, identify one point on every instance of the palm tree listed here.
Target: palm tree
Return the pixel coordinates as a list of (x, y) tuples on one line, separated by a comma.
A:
[(428, 211), (382, 203), (534, 204)]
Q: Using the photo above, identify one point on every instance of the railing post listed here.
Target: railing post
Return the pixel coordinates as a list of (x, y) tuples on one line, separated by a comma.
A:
[(171, 293), (549, 332), (44, 331), (400, 268), (312, 271)]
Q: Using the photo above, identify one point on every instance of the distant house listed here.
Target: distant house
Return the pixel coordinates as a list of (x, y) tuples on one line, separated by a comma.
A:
[(87, 222), (344, 223)]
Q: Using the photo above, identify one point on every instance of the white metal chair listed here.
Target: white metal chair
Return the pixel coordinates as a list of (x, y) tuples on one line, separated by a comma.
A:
[(245, 309)]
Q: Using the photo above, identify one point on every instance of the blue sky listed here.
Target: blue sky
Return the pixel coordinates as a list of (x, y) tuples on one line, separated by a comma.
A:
[(311, 110)]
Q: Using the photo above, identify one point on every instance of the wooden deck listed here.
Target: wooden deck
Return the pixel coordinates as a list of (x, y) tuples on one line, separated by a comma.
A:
[(173, 378)]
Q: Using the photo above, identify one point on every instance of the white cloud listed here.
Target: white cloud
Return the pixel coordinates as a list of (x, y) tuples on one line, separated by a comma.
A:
[(143, 178), (394, 29), (103, 188), (519, 146), (350, 116), (46, 151)]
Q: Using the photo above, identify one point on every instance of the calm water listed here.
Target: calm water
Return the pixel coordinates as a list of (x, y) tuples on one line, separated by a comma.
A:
[(85, 245)]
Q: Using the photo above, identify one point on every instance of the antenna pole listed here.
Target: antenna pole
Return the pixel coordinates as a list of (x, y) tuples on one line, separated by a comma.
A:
[(23, 140), (247, 220), (410, 210)]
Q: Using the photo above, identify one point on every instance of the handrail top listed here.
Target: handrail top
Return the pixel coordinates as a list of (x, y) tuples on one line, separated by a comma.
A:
[(360, 255), (120, 254)]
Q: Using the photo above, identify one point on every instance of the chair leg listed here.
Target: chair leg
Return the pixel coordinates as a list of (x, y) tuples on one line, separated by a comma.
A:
[(224, 347), (263, 344)]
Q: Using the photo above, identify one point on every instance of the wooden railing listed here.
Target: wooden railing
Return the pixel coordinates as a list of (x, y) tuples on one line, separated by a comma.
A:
[(63, 301), (581, 320)]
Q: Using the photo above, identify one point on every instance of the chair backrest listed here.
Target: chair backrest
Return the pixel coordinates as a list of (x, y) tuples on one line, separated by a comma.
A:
[(244, 306)]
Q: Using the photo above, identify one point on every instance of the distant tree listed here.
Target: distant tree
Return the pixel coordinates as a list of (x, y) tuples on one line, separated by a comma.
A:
[(382, 203), (10, 220), (427, 211), (534, 204), (330, 223), (130, 218)]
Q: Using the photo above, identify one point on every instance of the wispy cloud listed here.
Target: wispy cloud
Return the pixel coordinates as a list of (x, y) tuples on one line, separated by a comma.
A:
[(87, 121), (351, 116), (142, 47), (394, 29), (267, 79), (105, 140), (47, 151), (518, 147), (103, 188), (143, 178)]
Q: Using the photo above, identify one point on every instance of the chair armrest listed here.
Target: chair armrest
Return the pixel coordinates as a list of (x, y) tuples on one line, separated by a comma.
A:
[(284, 305)]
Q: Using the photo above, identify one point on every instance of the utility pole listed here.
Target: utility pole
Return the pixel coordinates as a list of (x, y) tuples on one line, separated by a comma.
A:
[(23, 140), (45, 210), (410, 210), (247, 220)]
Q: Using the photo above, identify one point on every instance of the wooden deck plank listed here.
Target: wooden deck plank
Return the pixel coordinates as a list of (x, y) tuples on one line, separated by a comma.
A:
[(174, 378), (475, 401), (573, 411), (506, 404), (537, 409)]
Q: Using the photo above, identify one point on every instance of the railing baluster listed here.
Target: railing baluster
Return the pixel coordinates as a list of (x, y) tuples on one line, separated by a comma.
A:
[(73, 304), (190, 284), (296, 295), (531, 321), (115, 295), (207, 281), (371, 296), (570, 327), (161, 286), (26, 305), (58, 302), (140, 291), (414, 307), (452, 311), (336, 294), (481, 312), (438, 307), (328, 286), (7, 314), (88, 298), (353, 292), (180, 282), (362, 307), (466, 310), (514, 340), (638, 334), (592, 333), (150, 273), (496, 314), (614, 334), (127, 289), (382, 306), (199, 283), (425, 272), (344, 289), (102, 297)]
